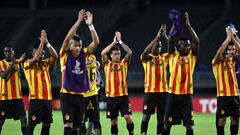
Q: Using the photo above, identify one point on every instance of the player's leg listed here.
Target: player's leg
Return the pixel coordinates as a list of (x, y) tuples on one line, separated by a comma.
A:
[(67, 112), (126, 111), (79, 117), (87, 112), (112, 113), (114, 126), (33, 113), (20, 114), (220, 123), (47, 118), (187, 113), (94, 116), (234, 127), (161, 104), (2, 114), (168, 115), (148, 109), (1, 124)]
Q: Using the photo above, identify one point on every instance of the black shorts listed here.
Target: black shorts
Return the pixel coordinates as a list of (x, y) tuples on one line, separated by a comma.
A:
[(116, 104), (228, 106), (40, 111), (153, 101), (92, 108), (12, 109), (73, 109), (179, 108)]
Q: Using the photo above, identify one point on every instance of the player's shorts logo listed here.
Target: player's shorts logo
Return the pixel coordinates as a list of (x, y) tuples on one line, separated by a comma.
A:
[(2, 113), (170, 119), (108, 113), (33, 117), (67, 117)]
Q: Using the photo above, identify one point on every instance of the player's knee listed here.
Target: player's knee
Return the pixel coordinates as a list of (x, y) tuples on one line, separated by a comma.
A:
[(97, 124), (160, 117), (68, 125), (189, 127), (46, 124), (23, 121), (114, 121), (146, 118), (221, 121), (128, 118), (234, 120)]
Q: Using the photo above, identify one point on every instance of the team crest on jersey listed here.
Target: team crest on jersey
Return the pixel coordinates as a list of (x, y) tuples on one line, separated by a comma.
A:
[(183, 61), (116, 68), (89, 62), (227, 67), (2, 113), (34, 117), (156, 62), (145, 107)]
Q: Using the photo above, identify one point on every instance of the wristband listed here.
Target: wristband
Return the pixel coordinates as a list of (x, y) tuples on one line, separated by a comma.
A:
[(48, 45), (91, 27), (120, 42)]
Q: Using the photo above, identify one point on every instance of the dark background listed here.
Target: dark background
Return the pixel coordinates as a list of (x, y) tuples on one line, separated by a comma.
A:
[(139, 20)]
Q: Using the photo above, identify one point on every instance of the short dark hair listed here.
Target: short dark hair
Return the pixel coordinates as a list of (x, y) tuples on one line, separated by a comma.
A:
[(76, 38), (115, 48)]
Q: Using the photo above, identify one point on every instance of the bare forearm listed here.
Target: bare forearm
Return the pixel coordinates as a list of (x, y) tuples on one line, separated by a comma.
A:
[(95, 41), (70, 34), (52, 51), (126, 49), (151, 45), (224, 45), (108, 48), (7, 72), (39, 51), (236, 43), (193, 35)]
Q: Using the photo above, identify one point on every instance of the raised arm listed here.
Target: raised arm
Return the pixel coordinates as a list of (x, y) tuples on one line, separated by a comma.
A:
[(5, 74), (38, 53), (124, 46), (51, 50), (172, 41), (73, 30), (152, 45), (107, 49), (194, 37), (236, 42), (95, 40), (224, 45)]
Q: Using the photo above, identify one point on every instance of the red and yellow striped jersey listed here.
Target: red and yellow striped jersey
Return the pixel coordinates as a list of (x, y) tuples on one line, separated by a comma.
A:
[(116, 78), (155, 73), (10, 88), (63, 60), (38, 79), (181, 73), (224, 73), (92, 76)]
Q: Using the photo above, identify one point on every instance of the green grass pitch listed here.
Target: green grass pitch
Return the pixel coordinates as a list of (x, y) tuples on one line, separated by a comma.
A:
[(204, 125)]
